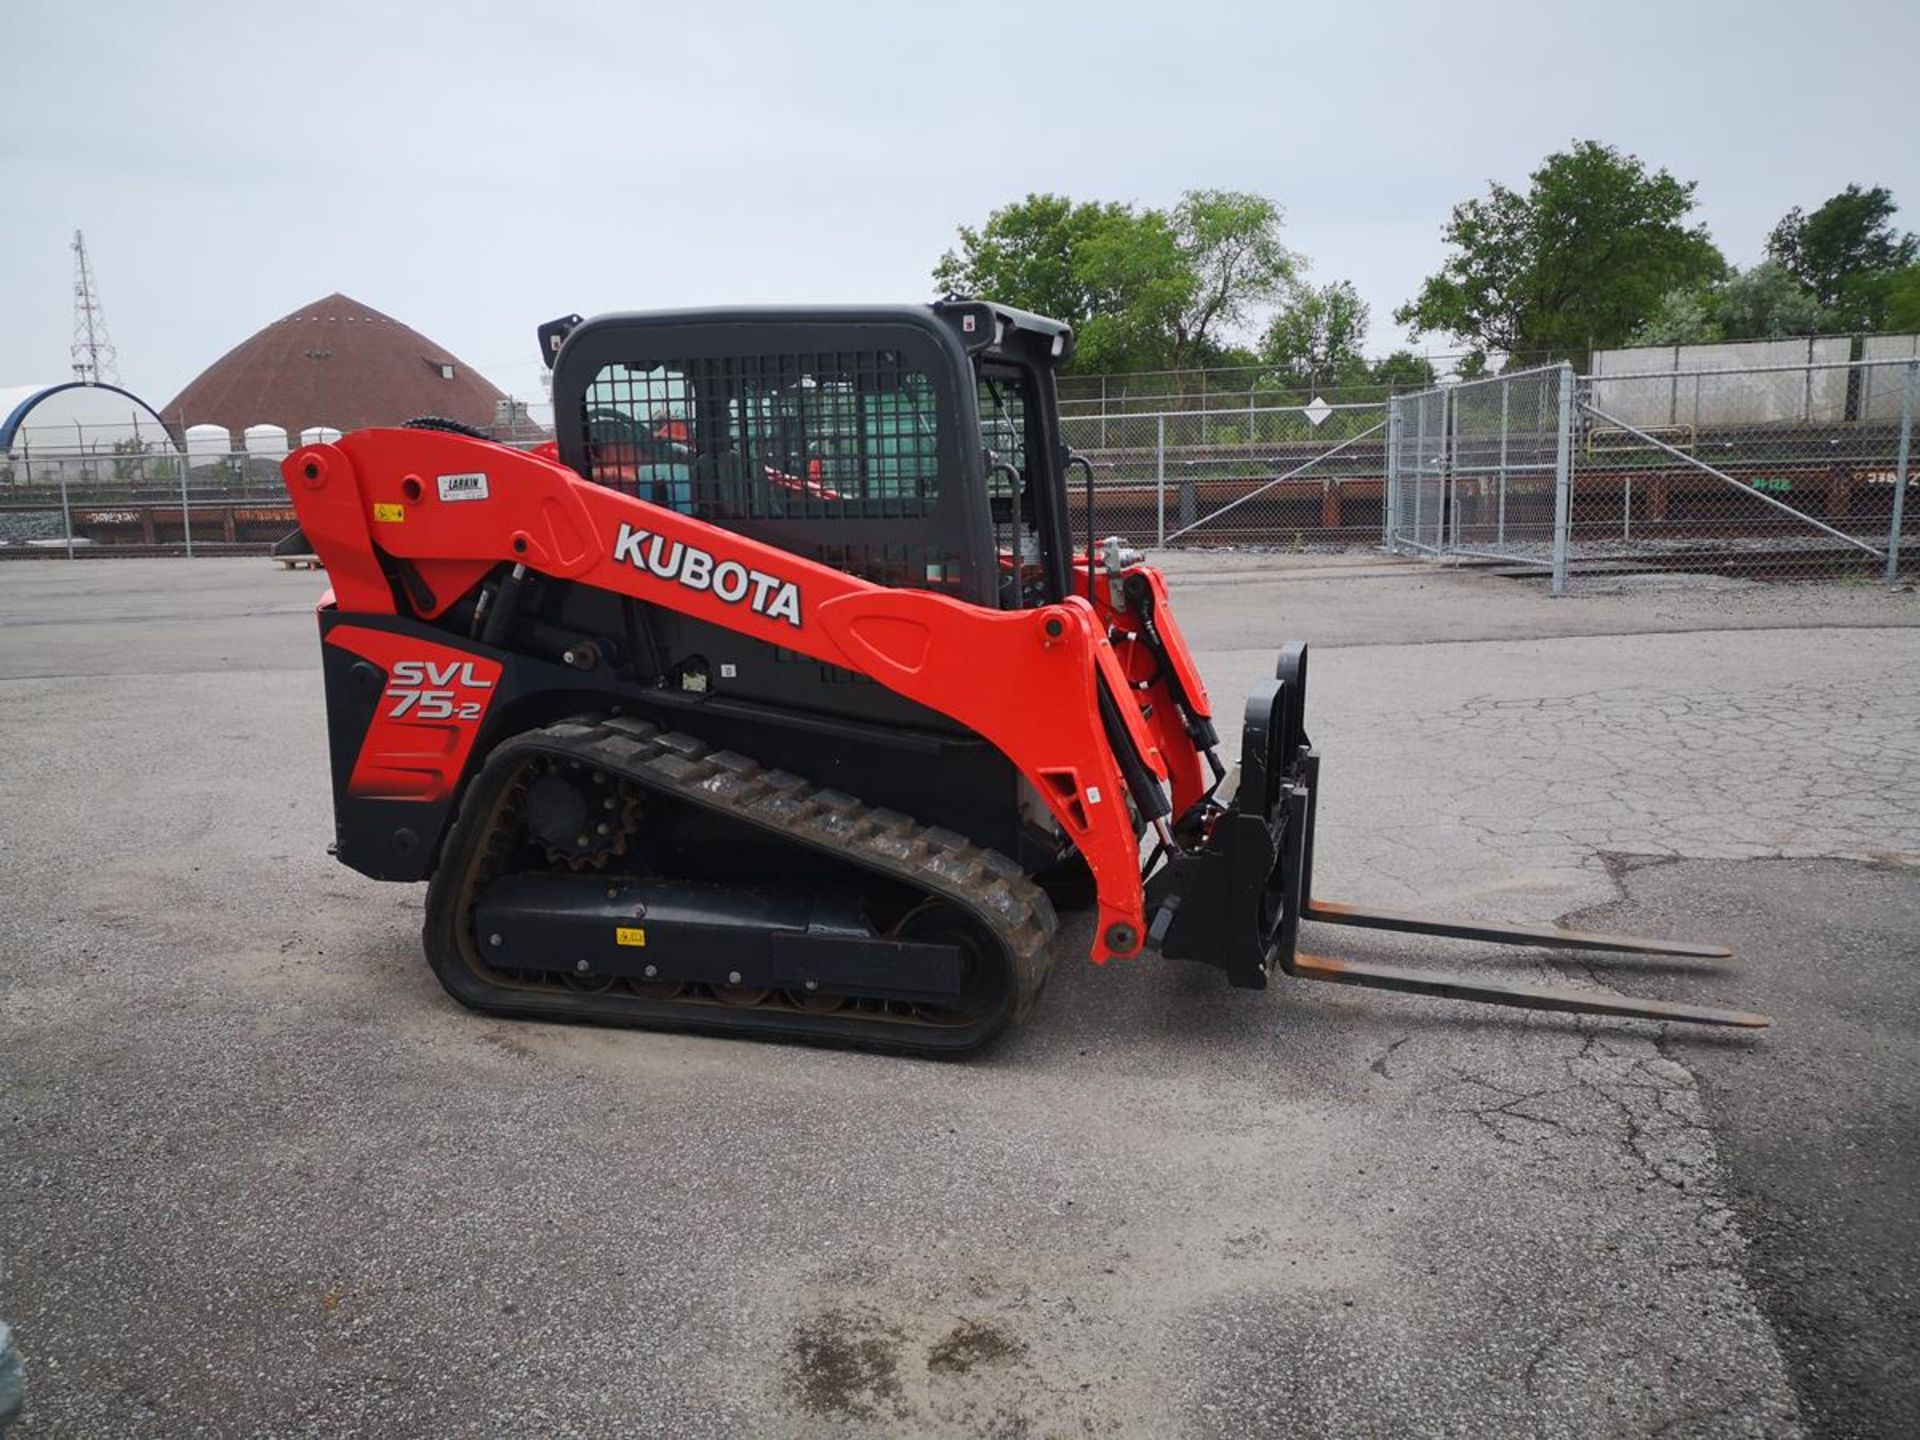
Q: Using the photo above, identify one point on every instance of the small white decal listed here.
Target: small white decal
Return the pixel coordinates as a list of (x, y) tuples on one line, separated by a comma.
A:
[(1093, 794), (472, 486)]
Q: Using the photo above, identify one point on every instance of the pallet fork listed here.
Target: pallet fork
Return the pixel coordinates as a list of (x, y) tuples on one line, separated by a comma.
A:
[(1237, 899)]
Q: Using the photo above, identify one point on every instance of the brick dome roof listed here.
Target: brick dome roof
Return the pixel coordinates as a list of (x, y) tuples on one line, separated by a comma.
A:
[(335, 362)]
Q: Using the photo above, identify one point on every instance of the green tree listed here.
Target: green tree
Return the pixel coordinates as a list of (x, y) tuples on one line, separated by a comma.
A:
[(1684, 316), (1230, 243), (1402, 370), (1581, 259), (1140, 286), (1763, 302), (1143, 288), (1032, 254), (1316, 336), (1846, 253), (129, 462), (1903, 301)]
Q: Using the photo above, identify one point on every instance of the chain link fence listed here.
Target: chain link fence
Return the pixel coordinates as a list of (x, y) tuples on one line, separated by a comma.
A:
[(1217, 391), (1416, 480), (1290, 477), (1764, 472), (1479, 469), (1778, 473), (1509, 464), (147, 498), (1783, 472), (138, 492)]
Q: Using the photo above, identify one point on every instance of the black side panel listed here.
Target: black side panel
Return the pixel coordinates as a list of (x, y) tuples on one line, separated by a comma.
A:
[(943, 778), (739, 667), (381, 838), (711, 934)]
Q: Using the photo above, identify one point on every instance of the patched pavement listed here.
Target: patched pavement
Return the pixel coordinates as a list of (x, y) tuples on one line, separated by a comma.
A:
[(258, 1174), (1816, 1131)]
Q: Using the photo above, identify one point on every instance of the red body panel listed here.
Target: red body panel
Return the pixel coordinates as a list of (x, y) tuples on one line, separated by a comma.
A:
[(1023, 680), (429, 714)]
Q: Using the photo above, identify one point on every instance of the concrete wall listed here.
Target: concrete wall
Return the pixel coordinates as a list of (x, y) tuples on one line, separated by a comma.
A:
[(1881, 385), (1666, 392)]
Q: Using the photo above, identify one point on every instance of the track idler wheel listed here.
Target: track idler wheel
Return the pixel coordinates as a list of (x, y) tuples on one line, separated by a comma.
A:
[(937, 922), (814, 1002), (587, 983)]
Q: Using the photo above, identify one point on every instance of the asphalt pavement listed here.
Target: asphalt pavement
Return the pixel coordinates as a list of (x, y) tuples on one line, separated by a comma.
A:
[(1817, 1128), (259, 1175)]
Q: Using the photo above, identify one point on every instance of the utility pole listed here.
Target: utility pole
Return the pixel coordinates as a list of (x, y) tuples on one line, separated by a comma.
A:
[(94, 359)]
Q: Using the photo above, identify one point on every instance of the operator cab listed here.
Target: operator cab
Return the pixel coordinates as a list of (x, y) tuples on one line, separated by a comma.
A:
[(1015, 360), (915, 446)]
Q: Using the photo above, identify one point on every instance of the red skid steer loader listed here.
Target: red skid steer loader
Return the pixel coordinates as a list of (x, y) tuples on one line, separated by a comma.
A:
[(774, 697)]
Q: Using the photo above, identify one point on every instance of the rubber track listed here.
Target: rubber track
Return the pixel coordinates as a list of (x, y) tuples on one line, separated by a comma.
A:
[(985, 883)]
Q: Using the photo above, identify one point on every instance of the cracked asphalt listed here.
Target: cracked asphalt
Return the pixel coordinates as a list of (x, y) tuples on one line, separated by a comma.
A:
[(258, 1175)]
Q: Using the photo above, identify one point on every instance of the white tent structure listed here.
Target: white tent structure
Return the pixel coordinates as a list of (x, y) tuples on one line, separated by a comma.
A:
[(62, 421), (207, 444), (267, 442)]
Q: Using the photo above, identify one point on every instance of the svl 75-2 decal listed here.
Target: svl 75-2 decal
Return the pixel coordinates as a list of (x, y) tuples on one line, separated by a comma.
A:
[(432, 690)]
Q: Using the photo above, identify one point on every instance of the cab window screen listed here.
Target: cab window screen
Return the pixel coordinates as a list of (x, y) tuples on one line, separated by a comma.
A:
[(823, 436), (1003, 425)]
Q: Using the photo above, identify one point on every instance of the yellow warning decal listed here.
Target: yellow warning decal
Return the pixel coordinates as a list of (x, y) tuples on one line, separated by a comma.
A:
[(630, 935), (390, 514)]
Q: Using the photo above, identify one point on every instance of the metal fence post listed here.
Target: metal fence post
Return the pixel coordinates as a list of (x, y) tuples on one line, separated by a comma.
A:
[(1563, 481), (1907, 399), (186, 518), (1419, 469), (1506, 400), (66, 512), (1390, 522), (1160, 478)]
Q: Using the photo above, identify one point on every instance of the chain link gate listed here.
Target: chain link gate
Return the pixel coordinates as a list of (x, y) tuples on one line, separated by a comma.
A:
[(1417, 471), (1483, 469), (1776, 472)]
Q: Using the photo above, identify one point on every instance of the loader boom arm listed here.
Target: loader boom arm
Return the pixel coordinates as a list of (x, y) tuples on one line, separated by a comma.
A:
[(1029, 682)]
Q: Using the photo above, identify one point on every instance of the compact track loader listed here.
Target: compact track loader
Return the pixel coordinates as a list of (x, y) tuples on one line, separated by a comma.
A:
[(774, 697)]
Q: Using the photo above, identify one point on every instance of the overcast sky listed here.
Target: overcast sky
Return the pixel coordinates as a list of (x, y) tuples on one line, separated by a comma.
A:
[(473, 169)]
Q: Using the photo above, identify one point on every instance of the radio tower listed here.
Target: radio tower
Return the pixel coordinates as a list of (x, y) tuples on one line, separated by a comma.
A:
[(94, 358)]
